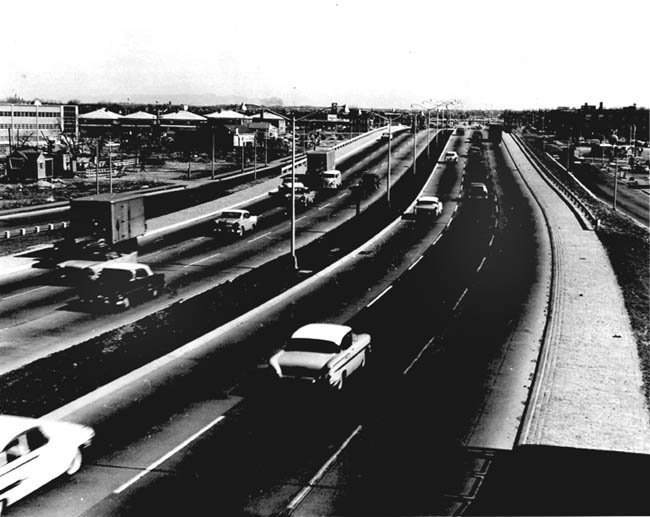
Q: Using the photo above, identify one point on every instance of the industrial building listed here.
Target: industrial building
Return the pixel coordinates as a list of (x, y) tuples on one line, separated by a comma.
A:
[(25, 125)]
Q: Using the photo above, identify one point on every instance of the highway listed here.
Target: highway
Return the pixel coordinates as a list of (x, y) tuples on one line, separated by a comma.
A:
[(428, 428), (227, 438), (37, 319)]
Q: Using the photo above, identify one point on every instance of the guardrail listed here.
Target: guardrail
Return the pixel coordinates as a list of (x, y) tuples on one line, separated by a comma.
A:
[(571, 199), (32, 230)]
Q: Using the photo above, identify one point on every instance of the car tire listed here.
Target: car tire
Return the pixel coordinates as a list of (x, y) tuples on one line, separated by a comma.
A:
[(240, 231), (75, 464), (339, 386)]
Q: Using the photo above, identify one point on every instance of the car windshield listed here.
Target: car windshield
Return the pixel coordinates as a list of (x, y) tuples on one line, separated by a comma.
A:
[(330, 174), (317, 346), (427, 202), (230, 215)]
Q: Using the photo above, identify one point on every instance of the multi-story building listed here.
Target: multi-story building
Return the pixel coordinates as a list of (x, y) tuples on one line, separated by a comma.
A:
[(35, 124)]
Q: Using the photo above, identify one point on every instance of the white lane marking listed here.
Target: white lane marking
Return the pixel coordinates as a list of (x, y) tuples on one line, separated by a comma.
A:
[(491, 240), (415, 263), (259, 236), (380, 295), (24, 292), (301, 217), (201, 260), (326, 204), (164, 458), (316, 478), (460, 299), (437, 239), (480, 265), (341, 195), (417, 357)]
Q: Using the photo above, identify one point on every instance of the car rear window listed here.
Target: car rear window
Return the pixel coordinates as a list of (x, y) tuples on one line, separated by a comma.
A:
[(317, 346), (114, 275)]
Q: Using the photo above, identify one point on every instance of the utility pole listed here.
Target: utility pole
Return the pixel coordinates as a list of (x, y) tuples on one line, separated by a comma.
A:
[(390, 141), (255, 156), (241, 144), (293, 193), (415, 137), (97, 167), (110, 169), (212, 153)]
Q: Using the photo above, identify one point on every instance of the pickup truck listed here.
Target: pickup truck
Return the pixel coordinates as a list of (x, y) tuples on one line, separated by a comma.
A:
[(304, 196), (325, 353), (122, 283), (235, 222)]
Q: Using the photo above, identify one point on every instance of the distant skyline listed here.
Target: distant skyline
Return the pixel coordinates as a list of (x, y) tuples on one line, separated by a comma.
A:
[(493, 55)]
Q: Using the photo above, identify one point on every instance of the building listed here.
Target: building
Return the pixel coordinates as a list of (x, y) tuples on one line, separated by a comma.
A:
[(36, 124), (264, 130), (228, 117), (181, 120), (29, 165), (99, 123), (277, 120), (138, 120)]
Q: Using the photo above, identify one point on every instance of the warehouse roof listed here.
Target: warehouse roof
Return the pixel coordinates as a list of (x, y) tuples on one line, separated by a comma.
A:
[(182, 115), (100, 114), (227, 114), (140, 115)]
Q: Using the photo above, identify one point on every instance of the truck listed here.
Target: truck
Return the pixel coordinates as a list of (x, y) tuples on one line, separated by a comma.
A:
[(121, 284), (112, 218), (320, 160), (235, 222), (321, 169), (494, 132)]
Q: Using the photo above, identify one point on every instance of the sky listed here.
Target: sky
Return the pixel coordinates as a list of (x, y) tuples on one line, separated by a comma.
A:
[(494, 54)]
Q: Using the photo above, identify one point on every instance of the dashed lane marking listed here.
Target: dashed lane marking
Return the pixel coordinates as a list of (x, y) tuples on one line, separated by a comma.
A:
[(164, 458), (259, 236), (201, 260), (460, 299), (317, 477), (380, 295), (418, 260), (24, 292)]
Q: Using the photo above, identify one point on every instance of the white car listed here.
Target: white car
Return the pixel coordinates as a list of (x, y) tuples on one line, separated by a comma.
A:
[(36, 451), (235, 222), (450, 157), (427, 207), (322, 353)]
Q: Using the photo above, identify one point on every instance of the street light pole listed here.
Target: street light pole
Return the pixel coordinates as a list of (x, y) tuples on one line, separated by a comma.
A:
[(614, 141), (390, 141), (255, 156), (415, 137), (293, 193), (212, 153)]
